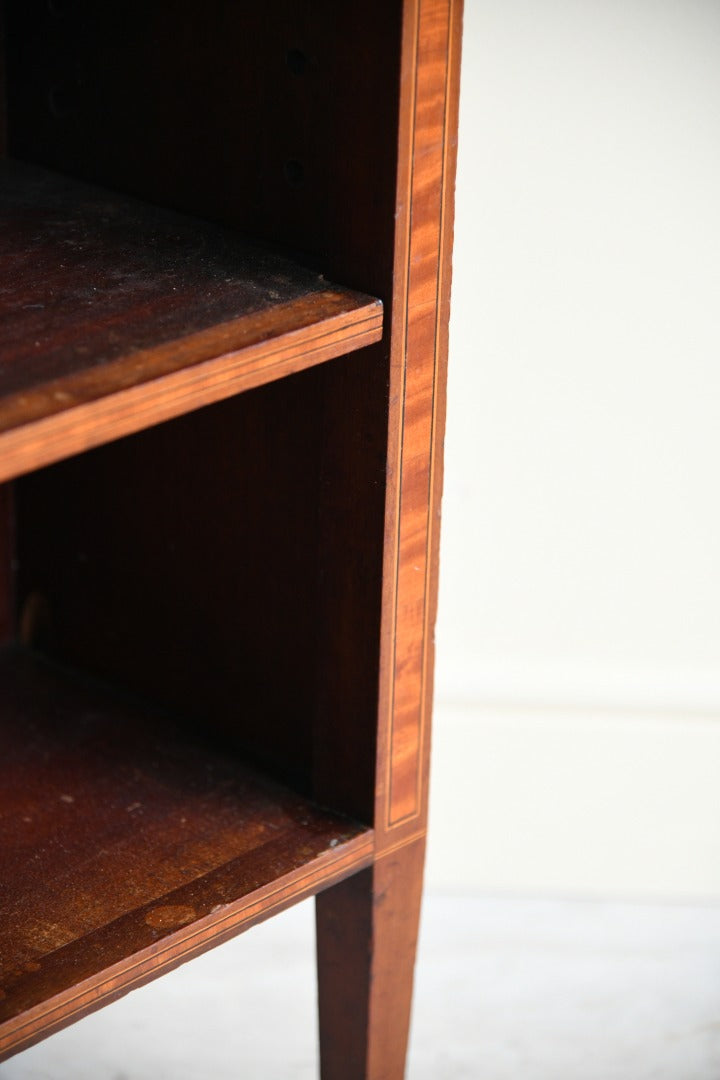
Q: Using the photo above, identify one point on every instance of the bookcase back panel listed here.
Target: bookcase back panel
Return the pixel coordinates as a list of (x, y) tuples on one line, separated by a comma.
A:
[(248, 114), (203, 564), (181, 563)]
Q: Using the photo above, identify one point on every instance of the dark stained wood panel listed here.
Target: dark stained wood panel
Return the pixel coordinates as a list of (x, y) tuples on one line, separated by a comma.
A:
[(278, 118), (183, 563), (104, 296), (118, 831)]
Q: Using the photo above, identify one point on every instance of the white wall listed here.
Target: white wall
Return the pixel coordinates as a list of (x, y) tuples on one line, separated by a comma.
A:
[(577, 732)]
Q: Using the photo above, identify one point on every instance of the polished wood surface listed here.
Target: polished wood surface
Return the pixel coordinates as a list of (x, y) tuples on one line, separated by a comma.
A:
[(119, 828), (367, 926), (426, 172), (367, 931), (115, 315)]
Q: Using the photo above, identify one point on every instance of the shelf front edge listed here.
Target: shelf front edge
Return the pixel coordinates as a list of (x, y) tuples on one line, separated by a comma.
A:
[(57, 420), (57, 1012)]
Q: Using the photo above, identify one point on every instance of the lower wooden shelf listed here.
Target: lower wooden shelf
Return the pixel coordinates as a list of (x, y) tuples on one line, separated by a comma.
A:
[(128, 844)]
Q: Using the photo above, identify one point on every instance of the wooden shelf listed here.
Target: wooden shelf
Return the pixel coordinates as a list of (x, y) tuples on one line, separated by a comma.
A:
[(115, 315), (123, 836)]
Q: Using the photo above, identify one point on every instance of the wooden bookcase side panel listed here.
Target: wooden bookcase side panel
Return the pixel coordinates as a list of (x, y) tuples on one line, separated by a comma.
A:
[(426, 185)]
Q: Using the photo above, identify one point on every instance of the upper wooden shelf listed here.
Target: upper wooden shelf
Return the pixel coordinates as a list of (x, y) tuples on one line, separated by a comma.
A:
[(115, 315), (128, 843)]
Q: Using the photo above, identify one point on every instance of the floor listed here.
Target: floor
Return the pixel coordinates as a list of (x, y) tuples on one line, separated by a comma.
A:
[(506, 988)]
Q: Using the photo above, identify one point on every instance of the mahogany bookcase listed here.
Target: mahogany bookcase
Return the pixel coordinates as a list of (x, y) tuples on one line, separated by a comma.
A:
[(225, 234)]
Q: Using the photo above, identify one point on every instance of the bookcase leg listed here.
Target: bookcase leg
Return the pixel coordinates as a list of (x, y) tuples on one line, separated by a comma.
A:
[(366, 938)]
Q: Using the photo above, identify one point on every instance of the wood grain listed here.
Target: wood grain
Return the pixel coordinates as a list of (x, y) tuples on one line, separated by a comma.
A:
[(367, 926), (119, 829), (425, 189), (366, 940), (115, 315), (91, 994)]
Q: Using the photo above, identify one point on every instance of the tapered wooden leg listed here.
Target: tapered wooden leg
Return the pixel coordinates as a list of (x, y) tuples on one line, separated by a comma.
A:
[(366, 938)]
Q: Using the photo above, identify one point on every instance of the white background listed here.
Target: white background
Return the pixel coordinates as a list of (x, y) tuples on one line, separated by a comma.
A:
[(577, 737)]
